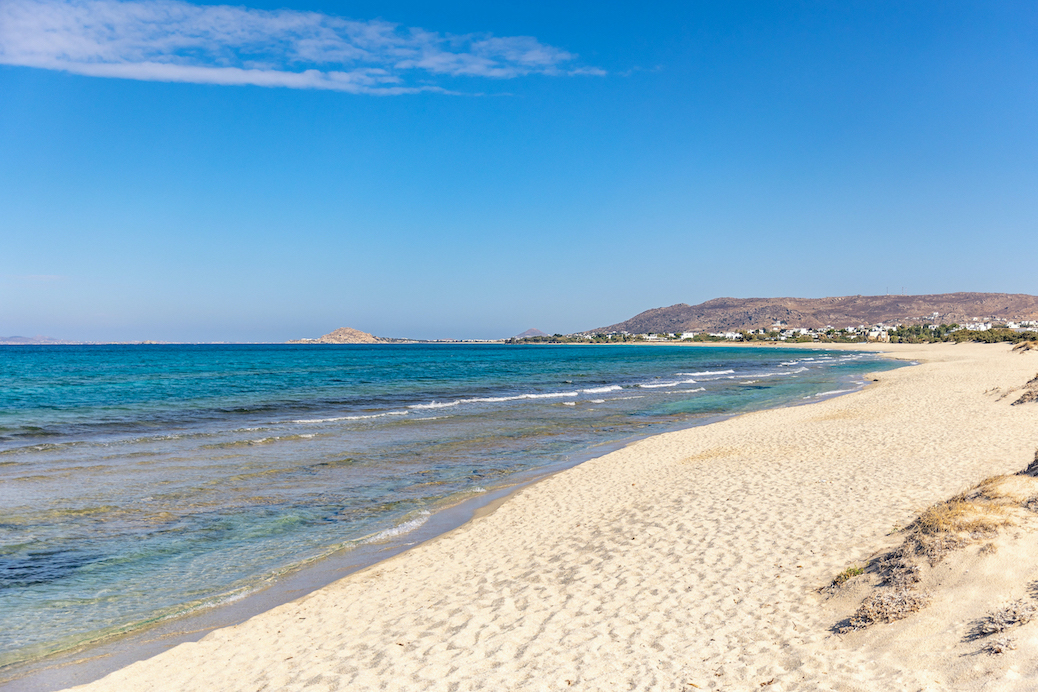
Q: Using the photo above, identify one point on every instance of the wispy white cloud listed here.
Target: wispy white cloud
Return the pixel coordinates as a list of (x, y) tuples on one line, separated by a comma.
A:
[(175, 41)]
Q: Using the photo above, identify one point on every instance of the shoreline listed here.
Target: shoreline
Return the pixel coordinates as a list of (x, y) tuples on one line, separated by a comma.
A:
[(240, 638), (91, 661)]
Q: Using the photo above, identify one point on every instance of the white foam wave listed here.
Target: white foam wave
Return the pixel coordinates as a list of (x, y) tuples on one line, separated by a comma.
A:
[(497, 399), (493, 399), (598, 401), (434, 404), (667, 384), (339, 418), (706, 372), (569, 403), (602, 390), (784, 374), (835, 391), (399, 529)]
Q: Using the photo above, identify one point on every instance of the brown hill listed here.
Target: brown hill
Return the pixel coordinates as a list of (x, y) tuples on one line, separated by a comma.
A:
[(529, 333), (733, 314), (345, 335)]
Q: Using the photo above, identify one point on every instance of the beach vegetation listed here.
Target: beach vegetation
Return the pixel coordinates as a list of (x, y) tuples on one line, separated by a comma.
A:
[(928, 333), (960, 516), (848, 574), (1003, 618), (991, 336), (888, 605), (1000, 645), (973, 516)]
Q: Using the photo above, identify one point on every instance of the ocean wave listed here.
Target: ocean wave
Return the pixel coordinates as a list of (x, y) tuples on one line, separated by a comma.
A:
[(257, 441), (435, 404), (787, 373), (667, 384), (835, 391), (603, 390), (493, 399), (399, 529), (339, 418), (497, 399), (705, 372), (688, 391)]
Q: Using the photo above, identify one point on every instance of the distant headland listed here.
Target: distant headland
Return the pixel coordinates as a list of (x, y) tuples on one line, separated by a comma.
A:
[(857, 317), (854, 317), (746, 314), (347, 335)]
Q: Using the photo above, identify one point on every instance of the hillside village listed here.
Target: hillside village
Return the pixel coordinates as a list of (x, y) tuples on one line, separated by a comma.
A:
[(976, 330)]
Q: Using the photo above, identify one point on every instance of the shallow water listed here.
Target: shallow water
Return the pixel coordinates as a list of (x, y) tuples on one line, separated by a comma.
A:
[(139, 482)]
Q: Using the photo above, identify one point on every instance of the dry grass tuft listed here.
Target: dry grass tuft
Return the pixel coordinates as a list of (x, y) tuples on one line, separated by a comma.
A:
[(1026, 346), (898, 569), (1001, 619), (848, 574), (1000, 645), (971, 516), (1028, 397), (1030, 392), (1032, 468), (887, 605), (960, 516)]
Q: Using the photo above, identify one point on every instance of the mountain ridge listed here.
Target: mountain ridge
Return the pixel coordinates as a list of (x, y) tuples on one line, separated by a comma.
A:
[(736, 314)]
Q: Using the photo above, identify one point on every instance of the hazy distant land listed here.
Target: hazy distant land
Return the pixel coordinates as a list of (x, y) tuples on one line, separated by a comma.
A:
[(738, 314)]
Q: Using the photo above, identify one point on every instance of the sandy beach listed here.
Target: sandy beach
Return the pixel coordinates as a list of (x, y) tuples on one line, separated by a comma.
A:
[(689, 560)]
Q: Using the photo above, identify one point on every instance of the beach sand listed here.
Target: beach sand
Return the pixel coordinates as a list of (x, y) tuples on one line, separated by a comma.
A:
[(688, 560)]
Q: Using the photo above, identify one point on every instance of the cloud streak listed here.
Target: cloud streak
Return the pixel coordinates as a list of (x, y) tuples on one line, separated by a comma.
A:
[(175, 41)]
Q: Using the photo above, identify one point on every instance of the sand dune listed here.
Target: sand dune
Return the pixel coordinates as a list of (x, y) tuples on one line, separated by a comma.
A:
[(690, 560)]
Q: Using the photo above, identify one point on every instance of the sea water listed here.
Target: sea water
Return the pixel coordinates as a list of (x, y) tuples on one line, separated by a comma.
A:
[(142, 482)]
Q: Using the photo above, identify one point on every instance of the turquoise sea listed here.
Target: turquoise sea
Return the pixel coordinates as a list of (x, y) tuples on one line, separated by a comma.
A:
[(143, 482)]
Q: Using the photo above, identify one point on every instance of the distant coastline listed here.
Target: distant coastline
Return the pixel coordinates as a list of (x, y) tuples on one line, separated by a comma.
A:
[(853, 319)]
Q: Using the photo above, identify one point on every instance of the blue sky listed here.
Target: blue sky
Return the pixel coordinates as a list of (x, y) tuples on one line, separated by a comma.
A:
[(203, 172)]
